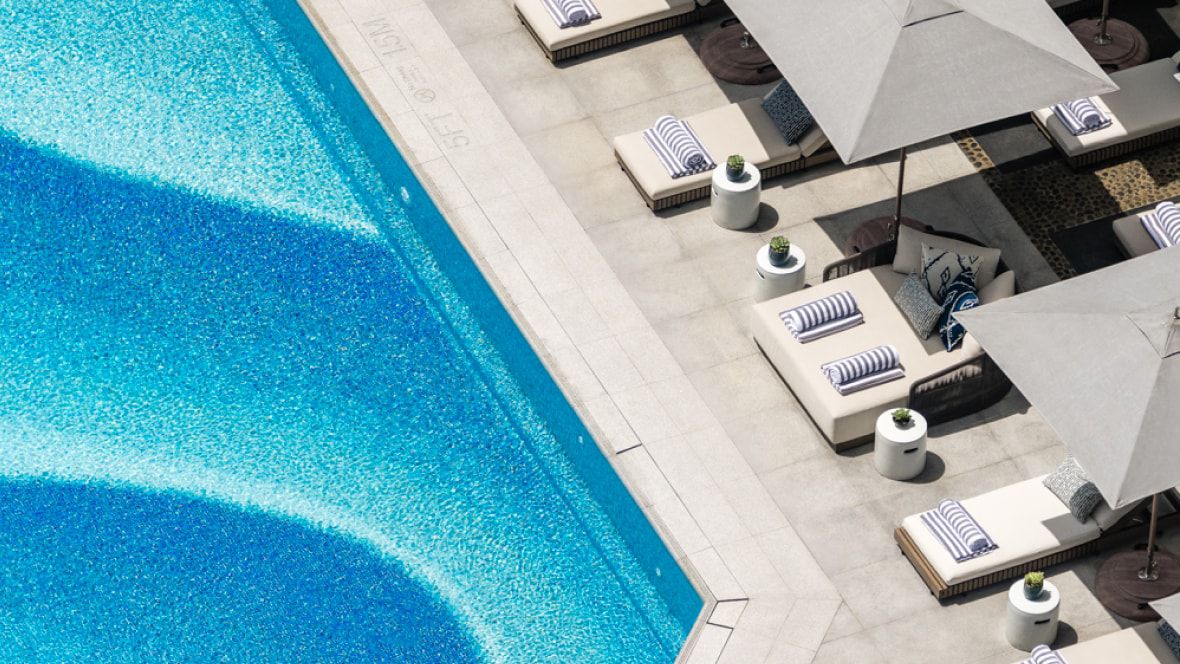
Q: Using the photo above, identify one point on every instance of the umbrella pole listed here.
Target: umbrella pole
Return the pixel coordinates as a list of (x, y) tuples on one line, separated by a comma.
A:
[(900, 189), (1150, 573), (1103, 37)]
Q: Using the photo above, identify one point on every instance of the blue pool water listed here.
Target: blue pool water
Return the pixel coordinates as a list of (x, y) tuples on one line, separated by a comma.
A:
[(256, 403)]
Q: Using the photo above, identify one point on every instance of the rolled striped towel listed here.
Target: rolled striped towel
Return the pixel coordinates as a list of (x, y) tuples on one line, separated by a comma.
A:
[(874, 360), (1043, 654), (570, 13), (956, 530), (677, 146), (1163, 224), (1081, 116), (827, 315)]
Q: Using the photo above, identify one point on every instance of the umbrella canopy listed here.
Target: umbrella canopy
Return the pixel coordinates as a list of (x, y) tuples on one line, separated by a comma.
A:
[(1099, 357), (878, 75), (1168, 608)]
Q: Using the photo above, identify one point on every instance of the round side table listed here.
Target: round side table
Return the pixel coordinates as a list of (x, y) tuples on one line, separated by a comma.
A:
[(772, 281), (1032, 622), (735, 204), (900, 454)]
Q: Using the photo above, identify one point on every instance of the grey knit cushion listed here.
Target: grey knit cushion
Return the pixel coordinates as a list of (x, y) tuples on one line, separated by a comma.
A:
[(918, 306), (1070, 484), (1170, 637), (787, 112)]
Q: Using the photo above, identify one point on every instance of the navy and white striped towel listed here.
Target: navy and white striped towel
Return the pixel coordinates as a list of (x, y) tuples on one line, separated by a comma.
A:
[(864, 370), (1081, 116), (571, 13), (827, 315), (677, 146), (1163, 224), (1043, 654), (961, 534)]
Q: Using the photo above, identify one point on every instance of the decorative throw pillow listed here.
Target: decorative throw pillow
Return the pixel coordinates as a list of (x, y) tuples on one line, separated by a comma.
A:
[(940, 267), (1071, 486), (959, 295), (1170, 637), (787, 112), (915, 302)]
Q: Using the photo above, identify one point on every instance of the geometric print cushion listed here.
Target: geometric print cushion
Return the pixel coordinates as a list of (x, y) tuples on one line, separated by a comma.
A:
[(1169, 217), (787, 112), (1170, 637), (959, 295), (940, 267), (1071, 486), (914, 301)]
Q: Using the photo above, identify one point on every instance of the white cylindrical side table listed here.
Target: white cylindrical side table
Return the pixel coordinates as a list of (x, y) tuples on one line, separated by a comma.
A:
[(900, 454), (772, 281), (1032, 622), (735, 204)]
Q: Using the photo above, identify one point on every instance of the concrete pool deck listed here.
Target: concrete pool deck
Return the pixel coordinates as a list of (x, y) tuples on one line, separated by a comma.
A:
[(641, 317)]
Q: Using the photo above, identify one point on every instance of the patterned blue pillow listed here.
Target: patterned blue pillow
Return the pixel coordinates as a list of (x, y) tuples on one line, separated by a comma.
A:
[(787, 112), (959, 295), (941, 267)]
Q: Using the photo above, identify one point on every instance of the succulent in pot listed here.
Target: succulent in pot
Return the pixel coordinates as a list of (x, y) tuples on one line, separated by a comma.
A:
[(903, 418), (780, 251), (1034, 584), (735, 166)]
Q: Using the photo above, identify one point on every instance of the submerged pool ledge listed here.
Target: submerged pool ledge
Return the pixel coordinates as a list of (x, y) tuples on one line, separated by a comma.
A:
[(613, 368)]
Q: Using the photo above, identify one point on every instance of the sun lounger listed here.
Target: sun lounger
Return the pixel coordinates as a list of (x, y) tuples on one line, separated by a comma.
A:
[(1144, 111), (1032, 528), (938, 384), (1140, 644), (1132, 238), (622, 21), (740, 128)]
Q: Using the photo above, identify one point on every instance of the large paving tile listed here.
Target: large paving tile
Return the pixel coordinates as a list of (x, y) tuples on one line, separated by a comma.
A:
[(636, 243), (705, 338), (884, 591), (670, 291), (853, 648), (642, 115), (569, 150), (644, 71), (741, 387), (466, 21), (501, 60), (535, 104), (600, 195), (773, 438)]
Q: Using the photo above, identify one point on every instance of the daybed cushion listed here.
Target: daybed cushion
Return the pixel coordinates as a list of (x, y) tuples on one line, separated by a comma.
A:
[(1140, 644), (1131, 235), (846, 418), (617, 16), (1004, 285), (1147, 102), (742, 128), (909, 253), (1025, 519)]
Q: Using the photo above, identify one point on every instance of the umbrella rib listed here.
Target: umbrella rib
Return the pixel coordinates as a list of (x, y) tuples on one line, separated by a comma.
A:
[(866, 109)]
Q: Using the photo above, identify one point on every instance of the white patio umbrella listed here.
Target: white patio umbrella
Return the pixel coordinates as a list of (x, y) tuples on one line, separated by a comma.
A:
[(880, 75), (1099, 357)]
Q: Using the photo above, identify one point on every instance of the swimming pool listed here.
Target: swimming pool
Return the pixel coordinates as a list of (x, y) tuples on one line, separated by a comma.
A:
[(257, 403)]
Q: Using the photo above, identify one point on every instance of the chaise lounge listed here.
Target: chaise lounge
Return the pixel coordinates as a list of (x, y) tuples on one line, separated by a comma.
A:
[(1132, 238), (939, 384), (740, 128), (1144, 111), (1034, 530), (622, 21)]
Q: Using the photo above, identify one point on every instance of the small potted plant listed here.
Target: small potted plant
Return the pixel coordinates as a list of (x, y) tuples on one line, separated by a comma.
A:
[(1034, 585), (902, 418), (780, 251), (735, 167)]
